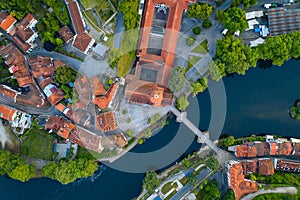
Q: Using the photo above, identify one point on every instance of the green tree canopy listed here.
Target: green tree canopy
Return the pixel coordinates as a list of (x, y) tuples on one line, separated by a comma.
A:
[(151, 181), (68, 171), (246, 3), (130, 10), (228, 141), (199, 86), (64, 75), (216, 70), (234, 19), (190, 41), (212, 163), (177, 79), (197, 30), (206, 23), (182, 102), (199, 10), (15, 166), (114, 57)]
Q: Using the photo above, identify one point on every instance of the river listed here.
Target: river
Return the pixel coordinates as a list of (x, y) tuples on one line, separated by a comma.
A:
[(256, 103)]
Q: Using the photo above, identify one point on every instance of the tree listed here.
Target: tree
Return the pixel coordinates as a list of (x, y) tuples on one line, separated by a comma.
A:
[(190, 41), (150, 120), (199, 86), (129, 133), (192, 180), (68, 171), (177, 79), (252, 177), (156, 117), (130, 10), (212, 163), (22, 172), (114, 57), (219, 15), (235, 56), (151, 181), (216, 70), (197, 30), (234, 19), (211, 191), (206, 23), (229, 195), (228, 141), (246, 3), (186, 162), (200, 11), (182, 102), (147, 133), (64, 75)]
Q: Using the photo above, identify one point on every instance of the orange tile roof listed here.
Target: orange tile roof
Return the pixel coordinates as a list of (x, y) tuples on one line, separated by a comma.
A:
[(82, 87), (58, 63), (285, 148), (104, 101), (6, 113), (5, 91), (246, 150), (296, 149), (288, 165), (60, 107), (273, 148), (24, 46), (106, 122), (56, 97), (97, 87), (8, 22)]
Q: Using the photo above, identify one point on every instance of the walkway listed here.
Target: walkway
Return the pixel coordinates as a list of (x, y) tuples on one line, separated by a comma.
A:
[(281, 190), (221, 155)]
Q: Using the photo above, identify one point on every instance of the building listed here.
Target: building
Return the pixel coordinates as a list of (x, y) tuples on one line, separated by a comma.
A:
[(97, 87), (281, 148), (54, 94), (16, 118), (106, 122), (82, 41), (75, 134), (7, 21), (120, 140), (287, 165), (254, 14), (16, 61), (282, 20), (266, 167), (106, 100), (156, 49), (66, 34), (100, 51), (237, 182), (24, 34), (256, 42), (81, 85)]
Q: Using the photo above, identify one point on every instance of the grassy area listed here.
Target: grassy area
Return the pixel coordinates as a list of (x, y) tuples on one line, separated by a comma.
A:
[(38, 144), (110, 41), (278, 196), (102, 7), (168, 186), (183, 181), (62, 51), (127, 51), (201, 48), (192, 61), (90, 15), (170, 195)]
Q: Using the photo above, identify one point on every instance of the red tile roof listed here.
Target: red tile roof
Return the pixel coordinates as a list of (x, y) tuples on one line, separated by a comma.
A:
[(266, 167), (288, 165), (75, 16), (82, 87), (66, 33), (56, 97), (106, 122), (120, 140), (3, 16), (97, 87), (82, 42), (246, 150)]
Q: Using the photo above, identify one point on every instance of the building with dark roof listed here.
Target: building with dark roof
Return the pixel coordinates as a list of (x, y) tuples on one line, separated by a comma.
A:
[(66, 34), (283, 20)]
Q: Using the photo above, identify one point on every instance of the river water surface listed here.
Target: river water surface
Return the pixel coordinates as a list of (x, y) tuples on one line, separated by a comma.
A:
[(256, 103)]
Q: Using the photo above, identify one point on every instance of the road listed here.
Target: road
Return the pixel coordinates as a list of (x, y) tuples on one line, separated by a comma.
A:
[(72, 62), (282, 190), (119, 31)]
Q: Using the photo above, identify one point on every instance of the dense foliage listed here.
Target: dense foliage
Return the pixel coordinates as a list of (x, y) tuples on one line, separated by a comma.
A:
[(177, 79), (60, 10), (234, 19), (151, 181), (19, 8), (206, 23), (209, 192), (236, 57), (246, 3), (114, 57), (295, 110), (199, 10), (278, 197), (233, 56), (228, 141), (212, 163), (197, 30), (289, 179), (64, 75), (130, 10), (199, 86), (229, 195), (182, 102), (68, 171), (15, 166)]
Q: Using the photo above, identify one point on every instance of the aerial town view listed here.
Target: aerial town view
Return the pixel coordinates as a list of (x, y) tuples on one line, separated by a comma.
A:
[(150, 99)]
